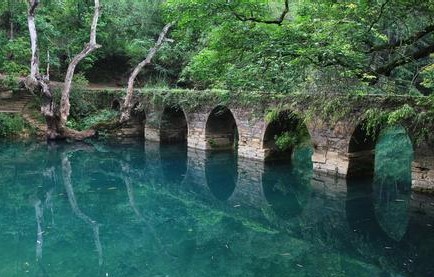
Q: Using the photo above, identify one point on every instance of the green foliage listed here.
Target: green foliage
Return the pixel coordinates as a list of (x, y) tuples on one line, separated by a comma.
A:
[(428, 76), (14, 56), (319, 45), (285, 141), (394, 154), (11, 125), (63, 28), (272, 115), (79, 82), (400, 114), (10, 82), (101, 117), (290, 139)]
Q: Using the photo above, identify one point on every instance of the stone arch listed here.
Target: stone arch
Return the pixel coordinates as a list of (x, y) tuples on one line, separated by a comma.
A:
[(286, 123), (361, 156), (135, 127), (361, 150), (221, 130), (173, 125), (116, 105)]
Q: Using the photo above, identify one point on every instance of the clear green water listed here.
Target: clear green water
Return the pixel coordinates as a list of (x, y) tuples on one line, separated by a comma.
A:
[(136, 209)]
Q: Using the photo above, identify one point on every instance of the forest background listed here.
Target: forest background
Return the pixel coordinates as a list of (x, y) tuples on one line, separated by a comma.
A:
[(280, 46)]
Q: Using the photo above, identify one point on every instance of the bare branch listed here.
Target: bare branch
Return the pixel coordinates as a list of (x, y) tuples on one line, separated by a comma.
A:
[(387, 69)]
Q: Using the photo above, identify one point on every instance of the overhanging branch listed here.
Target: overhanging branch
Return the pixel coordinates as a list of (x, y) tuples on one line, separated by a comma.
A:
[(387, 69), (408, 41), (277, 21)]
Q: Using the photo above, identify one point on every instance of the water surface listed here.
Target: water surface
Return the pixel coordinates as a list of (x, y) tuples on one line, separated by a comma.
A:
[(141, 209)]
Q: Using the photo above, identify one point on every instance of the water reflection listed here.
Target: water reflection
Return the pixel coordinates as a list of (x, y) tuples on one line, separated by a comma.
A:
[(221, 173), (174, 162), (123, 206), (392, 181)]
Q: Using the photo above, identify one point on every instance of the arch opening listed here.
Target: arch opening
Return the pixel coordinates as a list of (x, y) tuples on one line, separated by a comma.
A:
[(116, 106), (135, 127), (382, 164), (173, 127), (221, 130), (283, 135), (361, 152)]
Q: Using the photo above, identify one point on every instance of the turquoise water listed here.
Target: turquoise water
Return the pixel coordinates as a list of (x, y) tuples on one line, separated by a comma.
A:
[(141, 209)]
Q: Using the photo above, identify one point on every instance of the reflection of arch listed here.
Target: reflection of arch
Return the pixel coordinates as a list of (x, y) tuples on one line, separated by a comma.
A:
[(174, 162), (361, 151), (221, 130), (286, 127), (361, 213), (221, 174), (286, 186), (173, 126)]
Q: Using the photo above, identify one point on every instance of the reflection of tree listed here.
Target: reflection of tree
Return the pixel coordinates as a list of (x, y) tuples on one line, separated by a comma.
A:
[(126, 177), (66, 173), (39, 207), (39, 214)]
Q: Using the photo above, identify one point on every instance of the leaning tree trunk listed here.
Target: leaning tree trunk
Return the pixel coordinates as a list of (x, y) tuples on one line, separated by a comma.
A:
[(127, 105)]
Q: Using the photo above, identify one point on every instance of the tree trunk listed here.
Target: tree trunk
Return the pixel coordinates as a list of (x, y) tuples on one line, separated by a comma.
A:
[(56, 120), (11, 34), (34, 64), (126, 107), (89, 48), (35, 82)]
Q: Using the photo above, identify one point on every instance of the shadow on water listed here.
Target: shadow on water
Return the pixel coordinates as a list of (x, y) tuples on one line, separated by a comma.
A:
[(221, 173)]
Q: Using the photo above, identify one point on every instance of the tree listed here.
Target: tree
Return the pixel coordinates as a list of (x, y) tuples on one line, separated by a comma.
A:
[(380, 46), (126, 107), (56, 119)]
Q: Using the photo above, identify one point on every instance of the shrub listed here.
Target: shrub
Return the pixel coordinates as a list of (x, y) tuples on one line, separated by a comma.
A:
[(11, 125)]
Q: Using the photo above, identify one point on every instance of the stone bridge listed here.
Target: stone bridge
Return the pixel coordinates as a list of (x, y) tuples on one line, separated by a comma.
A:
[(342, 148)]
